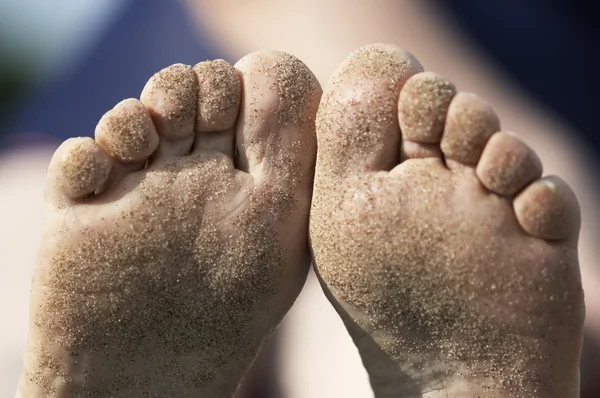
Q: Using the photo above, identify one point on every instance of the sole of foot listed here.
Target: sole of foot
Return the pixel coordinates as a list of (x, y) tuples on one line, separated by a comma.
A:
[(177, 240), (451, 261)]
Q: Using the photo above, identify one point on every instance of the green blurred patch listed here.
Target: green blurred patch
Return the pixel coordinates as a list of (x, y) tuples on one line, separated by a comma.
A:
[(16, 77)]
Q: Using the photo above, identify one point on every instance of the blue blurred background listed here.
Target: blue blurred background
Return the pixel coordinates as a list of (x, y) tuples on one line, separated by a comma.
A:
[(61, 54)]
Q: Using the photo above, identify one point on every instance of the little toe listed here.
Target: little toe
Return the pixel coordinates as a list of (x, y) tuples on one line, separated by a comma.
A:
[(422, 109), (171, 97), (275, 134), (507, 164), (548, 209), (219, 96), (127, 133), (469, 124), (357, 122), (79, 167)]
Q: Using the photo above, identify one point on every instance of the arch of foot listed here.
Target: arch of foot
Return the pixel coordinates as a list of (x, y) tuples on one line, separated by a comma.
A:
[(436, 121)]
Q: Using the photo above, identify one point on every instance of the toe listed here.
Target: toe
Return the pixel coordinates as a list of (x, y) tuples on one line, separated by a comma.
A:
[(127, 133), (507, 165), (219, 95), (357, 123), (548, 209), (275, 134), (171, 96), (422, 109), (79, 167), (469, 124)]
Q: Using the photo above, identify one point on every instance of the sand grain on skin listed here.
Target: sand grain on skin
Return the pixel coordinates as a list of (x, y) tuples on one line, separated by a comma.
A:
[(86, 167), (218, 95), (172, 92), (187, 267), (424, 102), (431, 266), (124, 132), (296, 87), (153, 279)]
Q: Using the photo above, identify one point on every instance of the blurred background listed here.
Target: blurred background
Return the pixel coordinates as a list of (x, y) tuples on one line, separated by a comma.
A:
[(63, 63)]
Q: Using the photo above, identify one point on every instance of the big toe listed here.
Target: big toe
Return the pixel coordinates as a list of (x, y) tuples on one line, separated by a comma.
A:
[(357, 122), (275, 133)]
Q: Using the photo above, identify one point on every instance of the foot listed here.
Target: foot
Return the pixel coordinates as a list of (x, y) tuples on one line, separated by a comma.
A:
[(175, 241), (451, 261)]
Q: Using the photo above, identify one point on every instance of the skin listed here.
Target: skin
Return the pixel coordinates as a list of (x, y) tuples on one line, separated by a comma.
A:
[(421, 28), (182, 258), (452, 285)]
